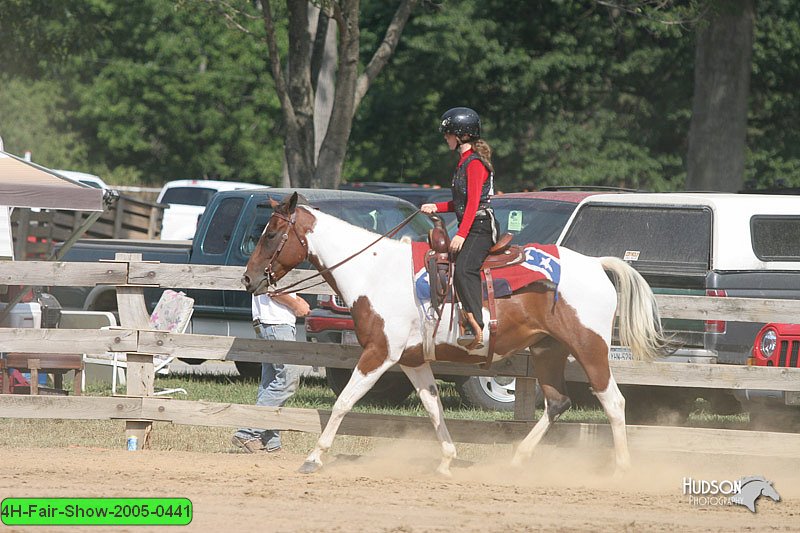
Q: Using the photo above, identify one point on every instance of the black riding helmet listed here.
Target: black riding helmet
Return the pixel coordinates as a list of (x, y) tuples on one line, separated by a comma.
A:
[(461, 121)]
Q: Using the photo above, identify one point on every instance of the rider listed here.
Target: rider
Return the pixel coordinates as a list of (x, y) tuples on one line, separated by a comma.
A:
[(473, 183)]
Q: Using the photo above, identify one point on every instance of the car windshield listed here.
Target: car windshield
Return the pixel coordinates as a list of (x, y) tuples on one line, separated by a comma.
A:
[(376, 216), (531, 220), (199, 196)]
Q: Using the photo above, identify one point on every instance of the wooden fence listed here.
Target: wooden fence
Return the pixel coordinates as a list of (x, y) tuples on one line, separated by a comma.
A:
[(131, 276), (35, 232)]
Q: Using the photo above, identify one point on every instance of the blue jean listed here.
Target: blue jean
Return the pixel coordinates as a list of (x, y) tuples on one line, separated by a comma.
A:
[(278, 383)]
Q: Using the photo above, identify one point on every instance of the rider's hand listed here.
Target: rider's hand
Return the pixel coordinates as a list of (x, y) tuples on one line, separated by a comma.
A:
[(428, 208), (456, 243)]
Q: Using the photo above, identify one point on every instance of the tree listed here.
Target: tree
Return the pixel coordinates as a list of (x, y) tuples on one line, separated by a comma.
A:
[(717, 139), (296, 89)]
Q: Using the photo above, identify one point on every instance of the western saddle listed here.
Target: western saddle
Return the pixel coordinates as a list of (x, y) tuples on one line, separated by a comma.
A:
[(440, 272)]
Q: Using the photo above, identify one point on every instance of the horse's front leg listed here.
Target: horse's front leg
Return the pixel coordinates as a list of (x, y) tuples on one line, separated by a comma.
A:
[(425, 384), (355, 389)]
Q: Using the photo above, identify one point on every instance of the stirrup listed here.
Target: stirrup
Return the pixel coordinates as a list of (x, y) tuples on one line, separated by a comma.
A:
[(466, 338)]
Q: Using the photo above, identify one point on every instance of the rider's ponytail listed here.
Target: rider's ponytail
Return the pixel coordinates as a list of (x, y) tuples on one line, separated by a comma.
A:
[(484, 151)]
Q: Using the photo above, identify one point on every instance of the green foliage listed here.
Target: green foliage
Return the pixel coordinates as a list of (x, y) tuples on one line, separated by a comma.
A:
[(32, 118), (570, 92)]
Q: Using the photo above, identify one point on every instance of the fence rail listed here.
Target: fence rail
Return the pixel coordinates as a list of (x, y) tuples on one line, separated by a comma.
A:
[(131, 275)]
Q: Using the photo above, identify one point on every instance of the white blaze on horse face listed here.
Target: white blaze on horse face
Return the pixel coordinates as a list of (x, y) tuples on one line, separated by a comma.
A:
[(382, 273), (586, 288)]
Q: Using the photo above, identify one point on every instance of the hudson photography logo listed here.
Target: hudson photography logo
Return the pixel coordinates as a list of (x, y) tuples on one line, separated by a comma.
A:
[(745, 491)]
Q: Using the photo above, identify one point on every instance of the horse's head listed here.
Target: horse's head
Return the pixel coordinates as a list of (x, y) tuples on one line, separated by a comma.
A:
[(282, 246)]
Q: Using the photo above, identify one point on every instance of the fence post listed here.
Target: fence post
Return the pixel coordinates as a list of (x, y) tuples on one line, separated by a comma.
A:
[(140, 373), (525, 395)]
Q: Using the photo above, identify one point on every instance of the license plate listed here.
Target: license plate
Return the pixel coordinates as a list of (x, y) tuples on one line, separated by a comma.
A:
[(349, 337), (620, 353)]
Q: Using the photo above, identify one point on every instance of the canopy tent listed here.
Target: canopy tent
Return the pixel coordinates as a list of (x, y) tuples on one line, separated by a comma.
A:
[(26, 184)]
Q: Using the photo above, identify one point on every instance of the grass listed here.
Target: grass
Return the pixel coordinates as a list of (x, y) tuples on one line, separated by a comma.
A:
[(312, 394)]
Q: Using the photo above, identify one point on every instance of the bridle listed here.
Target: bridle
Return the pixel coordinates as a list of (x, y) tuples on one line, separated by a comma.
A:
[(292, 222)]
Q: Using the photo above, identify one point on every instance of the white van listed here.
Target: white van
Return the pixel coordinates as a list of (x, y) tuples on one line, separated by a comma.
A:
[(187, 199)]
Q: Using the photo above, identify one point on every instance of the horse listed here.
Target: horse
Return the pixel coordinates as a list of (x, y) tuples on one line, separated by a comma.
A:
[(373, 276)]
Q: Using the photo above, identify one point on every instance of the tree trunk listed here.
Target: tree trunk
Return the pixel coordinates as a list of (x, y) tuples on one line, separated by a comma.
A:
[(717, 135), (309, 162)]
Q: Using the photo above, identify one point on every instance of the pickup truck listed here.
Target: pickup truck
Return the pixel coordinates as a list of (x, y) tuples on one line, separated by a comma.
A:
[(705, 244), (226, 234)]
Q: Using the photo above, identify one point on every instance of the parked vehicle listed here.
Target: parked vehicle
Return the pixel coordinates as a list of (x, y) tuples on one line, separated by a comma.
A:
[(82, 177), (697, 244), (529, 217), (187, 199), (776, 345), (226, 235)]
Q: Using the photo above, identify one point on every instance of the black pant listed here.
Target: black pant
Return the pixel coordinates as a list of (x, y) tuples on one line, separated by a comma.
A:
[(467, 278)]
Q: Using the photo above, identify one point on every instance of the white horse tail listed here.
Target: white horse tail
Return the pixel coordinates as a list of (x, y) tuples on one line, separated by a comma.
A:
[(639, 320)]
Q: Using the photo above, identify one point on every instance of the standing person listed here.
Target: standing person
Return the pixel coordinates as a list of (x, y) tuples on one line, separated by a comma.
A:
[(473, 184), (274, 318)]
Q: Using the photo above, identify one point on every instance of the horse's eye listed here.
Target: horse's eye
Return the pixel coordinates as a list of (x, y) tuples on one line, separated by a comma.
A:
[(271, 234)]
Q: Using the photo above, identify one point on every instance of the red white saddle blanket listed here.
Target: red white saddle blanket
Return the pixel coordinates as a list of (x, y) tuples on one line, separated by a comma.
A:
[(541, 263)]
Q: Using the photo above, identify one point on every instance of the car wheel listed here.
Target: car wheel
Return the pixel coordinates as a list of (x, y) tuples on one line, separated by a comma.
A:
[(495, 393), (248, 370), (391, 389)]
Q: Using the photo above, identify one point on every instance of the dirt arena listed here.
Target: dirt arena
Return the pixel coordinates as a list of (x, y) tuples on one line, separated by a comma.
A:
[(394, 490)]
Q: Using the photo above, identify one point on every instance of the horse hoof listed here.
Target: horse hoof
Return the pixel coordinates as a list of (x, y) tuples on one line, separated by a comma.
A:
[(309, 467), (444, 473)]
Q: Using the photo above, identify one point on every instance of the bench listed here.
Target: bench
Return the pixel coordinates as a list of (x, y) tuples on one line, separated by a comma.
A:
[(56, 363)]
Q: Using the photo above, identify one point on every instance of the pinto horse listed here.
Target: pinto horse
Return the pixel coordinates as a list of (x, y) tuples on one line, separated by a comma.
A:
[(376, 283)]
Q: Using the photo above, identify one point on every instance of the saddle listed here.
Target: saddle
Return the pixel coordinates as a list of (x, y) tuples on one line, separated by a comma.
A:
[(440, 273)]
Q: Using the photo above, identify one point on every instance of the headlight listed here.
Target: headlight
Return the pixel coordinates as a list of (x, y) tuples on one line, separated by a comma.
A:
[(768, 342)]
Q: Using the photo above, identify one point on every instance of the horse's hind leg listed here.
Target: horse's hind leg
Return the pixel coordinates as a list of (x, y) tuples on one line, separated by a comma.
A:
[(614, 405), (550, 373), (594, 360), (422, 379), (355, 389)]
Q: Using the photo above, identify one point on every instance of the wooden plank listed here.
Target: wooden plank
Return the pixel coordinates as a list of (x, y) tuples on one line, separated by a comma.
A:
[(213, 347), (69, 407), (697, 375), (641, 438), (65, 274), (208, 277), (312, 421), (733, 309), (32, 340)]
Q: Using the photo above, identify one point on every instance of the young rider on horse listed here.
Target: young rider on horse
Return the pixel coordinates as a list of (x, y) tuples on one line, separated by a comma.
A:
[(473, 183)]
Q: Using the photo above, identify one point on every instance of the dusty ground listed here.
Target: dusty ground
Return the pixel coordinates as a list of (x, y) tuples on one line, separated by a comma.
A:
[(394, 489)]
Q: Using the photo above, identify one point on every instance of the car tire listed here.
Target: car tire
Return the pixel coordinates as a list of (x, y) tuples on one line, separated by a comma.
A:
[(248, 370), (391, 389), (492, 393)]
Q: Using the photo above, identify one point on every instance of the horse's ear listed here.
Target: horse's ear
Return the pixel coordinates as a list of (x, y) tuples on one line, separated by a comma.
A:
[(292, 202), (273, 203)]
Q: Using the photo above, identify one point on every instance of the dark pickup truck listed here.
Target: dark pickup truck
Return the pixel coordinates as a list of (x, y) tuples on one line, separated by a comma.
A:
[(226, 234)]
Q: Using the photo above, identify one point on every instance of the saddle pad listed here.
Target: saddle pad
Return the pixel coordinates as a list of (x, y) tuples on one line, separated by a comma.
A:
[(541, 264)]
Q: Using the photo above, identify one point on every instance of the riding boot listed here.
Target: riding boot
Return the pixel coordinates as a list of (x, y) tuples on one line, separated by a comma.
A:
[(471, 334)]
